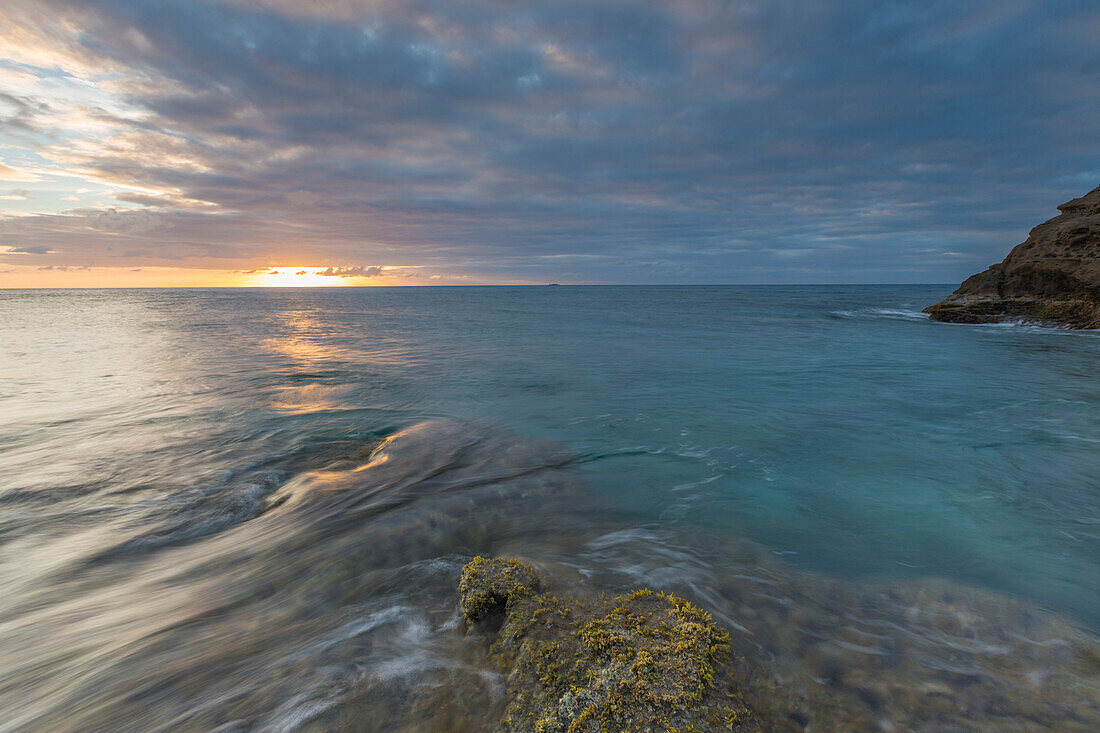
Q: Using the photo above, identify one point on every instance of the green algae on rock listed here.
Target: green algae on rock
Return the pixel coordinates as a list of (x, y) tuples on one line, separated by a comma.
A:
[(642, 661), (494, 585)]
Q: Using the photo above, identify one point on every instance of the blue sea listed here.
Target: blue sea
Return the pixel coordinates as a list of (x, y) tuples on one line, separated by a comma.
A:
[(231, 509)]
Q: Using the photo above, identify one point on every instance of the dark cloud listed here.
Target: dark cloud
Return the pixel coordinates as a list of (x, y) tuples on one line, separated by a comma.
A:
[(688, 141), (17, 114)]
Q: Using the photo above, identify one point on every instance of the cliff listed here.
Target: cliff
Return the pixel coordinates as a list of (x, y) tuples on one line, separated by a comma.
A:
[(1053, 277)]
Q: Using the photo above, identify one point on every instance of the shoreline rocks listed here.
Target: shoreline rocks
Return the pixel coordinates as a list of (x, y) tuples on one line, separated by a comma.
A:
[(1051, 278), (640, 661), (806, 655)]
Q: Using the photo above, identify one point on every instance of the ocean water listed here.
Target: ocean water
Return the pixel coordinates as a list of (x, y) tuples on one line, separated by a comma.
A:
[(247, 509)]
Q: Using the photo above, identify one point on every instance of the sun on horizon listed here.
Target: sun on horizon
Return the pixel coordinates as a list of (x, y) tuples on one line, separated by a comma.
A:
[(279, 276), (301, 277)]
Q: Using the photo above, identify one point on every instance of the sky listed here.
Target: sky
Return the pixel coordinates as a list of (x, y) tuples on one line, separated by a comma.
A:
[(364, 142)]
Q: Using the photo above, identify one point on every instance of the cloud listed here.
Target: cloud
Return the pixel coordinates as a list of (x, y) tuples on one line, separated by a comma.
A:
[(19, 194), (725, 141), (8, 173), (18, 114), (34, 249), (375, 271)]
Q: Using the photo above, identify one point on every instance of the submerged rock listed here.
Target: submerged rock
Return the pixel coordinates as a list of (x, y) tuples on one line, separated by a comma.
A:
[(1053, 277), (642, 661), (840, 655)]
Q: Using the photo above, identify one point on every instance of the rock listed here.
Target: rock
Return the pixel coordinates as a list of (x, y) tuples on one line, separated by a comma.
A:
[(492, 586), (1053, 277), (642, 661)]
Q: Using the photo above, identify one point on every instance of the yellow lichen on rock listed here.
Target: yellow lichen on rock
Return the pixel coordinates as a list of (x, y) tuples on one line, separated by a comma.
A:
[(642, 661), (491, 585)]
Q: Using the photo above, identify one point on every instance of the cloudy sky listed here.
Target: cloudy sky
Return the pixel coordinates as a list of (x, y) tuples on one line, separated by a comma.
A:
[(441, 141)]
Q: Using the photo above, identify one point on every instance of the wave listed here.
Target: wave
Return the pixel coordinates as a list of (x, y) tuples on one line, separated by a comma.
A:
[(906, 314), (896, 314), (269, 603)]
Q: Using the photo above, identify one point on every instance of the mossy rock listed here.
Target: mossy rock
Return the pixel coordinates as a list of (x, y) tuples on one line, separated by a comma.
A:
[(491, 586), (643, 661)]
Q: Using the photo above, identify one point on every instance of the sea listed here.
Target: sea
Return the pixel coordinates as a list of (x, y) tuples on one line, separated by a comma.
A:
[(247, 509)]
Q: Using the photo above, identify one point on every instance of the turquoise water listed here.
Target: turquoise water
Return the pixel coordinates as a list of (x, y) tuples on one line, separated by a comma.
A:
[(835, 429)]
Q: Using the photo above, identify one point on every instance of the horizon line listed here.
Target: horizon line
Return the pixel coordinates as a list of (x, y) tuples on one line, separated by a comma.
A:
[(481, 285)]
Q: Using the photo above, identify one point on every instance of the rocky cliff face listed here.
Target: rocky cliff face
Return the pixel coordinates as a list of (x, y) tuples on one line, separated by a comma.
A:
[(1053, 277)]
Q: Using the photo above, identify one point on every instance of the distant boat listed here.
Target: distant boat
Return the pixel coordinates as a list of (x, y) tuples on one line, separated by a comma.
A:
[(552, 285)]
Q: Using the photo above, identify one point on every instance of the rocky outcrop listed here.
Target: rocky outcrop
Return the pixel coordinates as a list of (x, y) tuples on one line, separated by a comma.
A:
[(1052, 278), (642, 661)]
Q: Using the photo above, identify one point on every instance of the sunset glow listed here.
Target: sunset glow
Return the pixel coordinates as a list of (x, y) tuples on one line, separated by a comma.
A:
[(711, 142), (300, 277), (295, 276)]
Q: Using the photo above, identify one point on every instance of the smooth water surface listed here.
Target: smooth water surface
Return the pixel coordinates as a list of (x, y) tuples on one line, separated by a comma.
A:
[(155, 575)]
